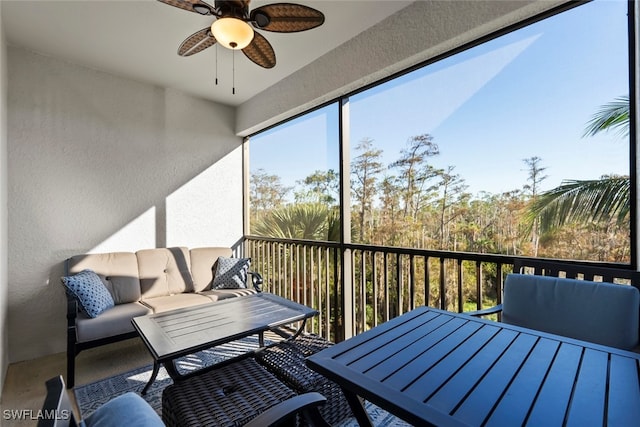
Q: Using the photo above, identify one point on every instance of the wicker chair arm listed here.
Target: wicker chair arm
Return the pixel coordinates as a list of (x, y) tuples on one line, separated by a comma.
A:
[(256, 280), (486, 311), (306, 403)]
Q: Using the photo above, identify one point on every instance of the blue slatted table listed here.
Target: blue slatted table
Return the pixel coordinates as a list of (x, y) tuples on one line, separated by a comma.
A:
[(433, 367)]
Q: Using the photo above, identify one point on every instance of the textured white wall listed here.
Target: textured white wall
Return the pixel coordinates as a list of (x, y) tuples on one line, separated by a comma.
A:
[(101, 163), (4, 287), (415, 34)]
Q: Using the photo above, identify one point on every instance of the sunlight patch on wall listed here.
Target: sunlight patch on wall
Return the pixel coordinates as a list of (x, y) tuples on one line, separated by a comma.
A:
[(138, 234), (206, 211)]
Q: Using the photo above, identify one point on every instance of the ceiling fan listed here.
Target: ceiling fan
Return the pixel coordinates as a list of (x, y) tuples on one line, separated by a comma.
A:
[(231, 28)]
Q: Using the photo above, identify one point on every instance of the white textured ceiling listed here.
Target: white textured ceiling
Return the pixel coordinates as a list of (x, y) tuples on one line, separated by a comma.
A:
[(138, 39)]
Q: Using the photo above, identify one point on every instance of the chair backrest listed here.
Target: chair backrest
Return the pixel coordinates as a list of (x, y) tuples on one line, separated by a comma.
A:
[(595, 273), (599, 312), (56, 410)]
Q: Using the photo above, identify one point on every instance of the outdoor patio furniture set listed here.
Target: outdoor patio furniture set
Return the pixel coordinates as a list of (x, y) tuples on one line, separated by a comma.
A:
[(181, 301), (124, 285), (560, 357)]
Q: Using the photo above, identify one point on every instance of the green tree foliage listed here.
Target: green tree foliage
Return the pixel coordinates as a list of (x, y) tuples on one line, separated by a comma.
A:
[(266, 192), (411, 203), (311, 221), (613, 116), (319, 187)]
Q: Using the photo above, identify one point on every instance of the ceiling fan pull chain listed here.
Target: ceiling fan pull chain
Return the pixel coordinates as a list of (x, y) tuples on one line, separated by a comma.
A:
[(233, 90), (216, 65)]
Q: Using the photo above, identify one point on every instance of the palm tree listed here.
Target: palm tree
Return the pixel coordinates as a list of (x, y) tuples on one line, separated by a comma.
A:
[(608, 198), (312, 221)]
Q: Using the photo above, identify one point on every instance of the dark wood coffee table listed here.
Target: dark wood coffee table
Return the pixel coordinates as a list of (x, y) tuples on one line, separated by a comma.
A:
[(177, 333)]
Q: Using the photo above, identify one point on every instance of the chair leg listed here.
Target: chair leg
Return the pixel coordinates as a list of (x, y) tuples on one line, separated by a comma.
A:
[(71, 362)]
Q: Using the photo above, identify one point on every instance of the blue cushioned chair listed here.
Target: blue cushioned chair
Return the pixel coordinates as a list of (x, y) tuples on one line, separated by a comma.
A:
[(599, 312), (128, 409)]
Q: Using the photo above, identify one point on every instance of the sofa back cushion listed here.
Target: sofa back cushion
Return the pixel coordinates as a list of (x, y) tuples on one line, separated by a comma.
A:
[(117, 270), (203, 265), (164, 271), (600, 312)]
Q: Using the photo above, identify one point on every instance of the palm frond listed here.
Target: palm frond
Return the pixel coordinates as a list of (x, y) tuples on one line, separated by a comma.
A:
[(299, 221), (582, 201), (612, 116)]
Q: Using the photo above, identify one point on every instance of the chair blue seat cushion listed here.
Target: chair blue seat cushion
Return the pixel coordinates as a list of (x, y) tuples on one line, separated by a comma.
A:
[(603, 313), (128, 409)]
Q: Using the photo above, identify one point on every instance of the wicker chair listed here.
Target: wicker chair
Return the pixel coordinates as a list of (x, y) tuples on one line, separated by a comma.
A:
[(286, 361), (241, 393)]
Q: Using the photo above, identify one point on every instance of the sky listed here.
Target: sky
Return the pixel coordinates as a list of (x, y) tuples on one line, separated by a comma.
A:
[(528, 93)]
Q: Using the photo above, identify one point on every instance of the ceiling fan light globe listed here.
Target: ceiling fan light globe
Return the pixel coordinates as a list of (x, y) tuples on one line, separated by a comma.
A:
[(232, 33)]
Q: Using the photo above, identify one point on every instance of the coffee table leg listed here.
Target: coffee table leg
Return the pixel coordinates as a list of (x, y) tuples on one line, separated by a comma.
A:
[(154, 374)]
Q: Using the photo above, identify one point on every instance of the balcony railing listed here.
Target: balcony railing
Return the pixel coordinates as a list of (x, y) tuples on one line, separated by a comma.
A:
[(356, 287)]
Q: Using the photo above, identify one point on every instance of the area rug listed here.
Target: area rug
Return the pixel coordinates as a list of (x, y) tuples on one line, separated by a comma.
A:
[(91, 396)]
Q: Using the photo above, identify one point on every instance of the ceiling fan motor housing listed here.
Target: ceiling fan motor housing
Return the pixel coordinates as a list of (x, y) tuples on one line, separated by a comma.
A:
[(232, 9)]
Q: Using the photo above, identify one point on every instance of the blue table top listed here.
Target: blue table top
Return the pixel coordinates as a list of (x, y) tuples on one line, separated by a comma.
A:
[(432, 367)]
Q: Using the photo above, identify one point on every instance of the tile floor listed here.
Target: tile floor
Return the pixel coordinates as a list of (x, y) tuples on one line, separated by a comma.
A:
[(24, 387)]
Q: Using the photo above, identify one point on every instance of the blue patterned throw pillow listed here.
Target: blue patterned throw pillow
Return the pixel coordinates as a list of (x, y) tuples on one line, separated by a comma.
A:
[(231, 273), (88, 289)]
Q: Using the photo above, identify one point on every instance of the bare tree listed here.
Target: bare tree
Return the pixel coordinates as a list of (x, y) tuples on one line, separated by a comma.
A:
[(535, 177), (415, 172), (365, 169), (266, 192)]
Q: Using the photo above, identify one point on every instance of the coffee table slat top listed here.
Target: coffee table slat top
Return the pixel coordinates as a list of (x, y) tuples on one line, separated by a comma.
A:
[(180, 331)]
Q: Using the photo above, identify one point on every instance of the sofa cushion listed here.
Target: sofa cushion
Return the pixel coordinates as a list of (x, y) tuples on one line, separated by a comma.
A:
[(87, 288), (171, 302), (203, 265), (220, 294), (164, 271), (114, 321), (604, 313), (231, 273), (118, 271)]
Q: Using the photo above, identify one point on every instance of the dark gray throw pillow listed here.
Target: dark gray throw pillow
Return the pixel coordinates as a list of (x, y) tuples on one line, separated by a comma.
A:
[(231, 273)]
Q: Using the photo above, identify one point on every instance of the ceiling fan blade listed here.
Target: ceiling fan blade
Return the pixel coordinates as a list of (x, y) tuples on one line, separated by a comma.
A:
[(286, 17), (197, 42), (196, 6), (260, 51)]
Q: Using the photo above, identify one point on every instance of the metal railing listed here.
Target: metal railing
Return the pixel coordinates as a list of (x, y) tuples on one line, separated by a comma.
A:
[(381, 282)]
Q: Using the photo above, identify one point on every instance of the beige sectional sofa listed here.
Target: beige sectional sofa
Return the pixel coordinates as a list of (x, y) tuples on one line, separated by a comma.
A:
[(147, 281)]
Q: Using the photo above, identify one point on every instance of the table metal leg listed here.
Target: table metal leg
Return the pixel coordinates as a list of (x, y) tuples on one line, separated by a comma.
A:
[(172, 370), (358, 409), (154, 374)]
